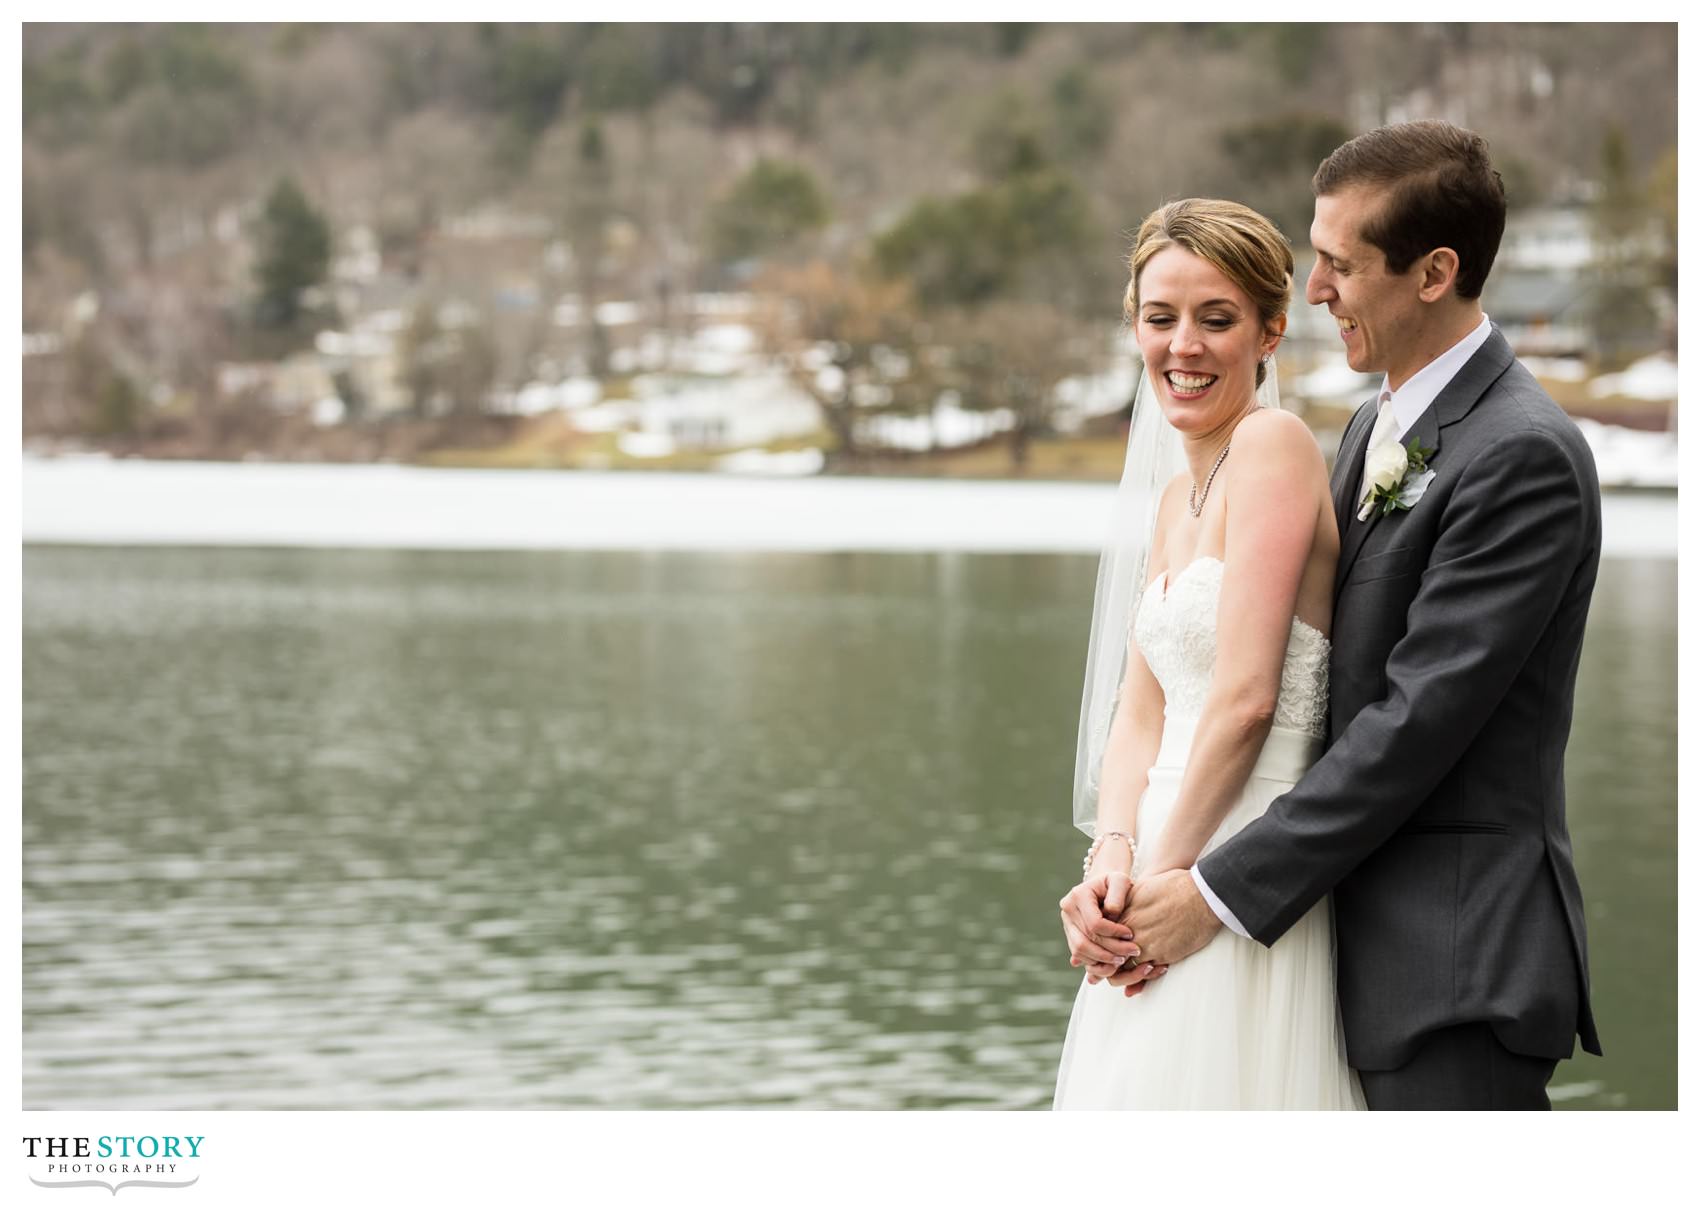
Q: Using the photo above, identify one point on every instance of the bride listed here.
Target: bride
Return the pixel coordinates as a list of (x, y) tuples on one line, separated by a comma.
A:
[(1221, 565)]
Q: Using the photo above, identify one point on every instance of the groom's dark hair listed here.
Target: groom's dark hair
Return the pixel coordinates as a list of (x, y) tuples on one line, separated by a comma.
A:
[(1444, 193)]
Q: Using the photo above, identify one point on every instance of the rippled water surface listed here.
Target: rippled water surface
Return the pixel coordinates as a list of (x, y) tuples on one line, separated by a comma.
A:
[(387, 829)]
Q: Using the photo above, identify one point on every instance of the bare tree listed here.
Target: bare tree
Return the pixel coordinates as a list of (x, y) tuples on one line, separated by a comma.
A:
[(851, 340), (1011, 354)]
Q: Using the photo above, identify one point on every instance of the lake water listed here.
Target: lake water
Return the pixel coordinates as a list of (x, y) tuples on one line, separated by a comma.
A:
[(392, 829)]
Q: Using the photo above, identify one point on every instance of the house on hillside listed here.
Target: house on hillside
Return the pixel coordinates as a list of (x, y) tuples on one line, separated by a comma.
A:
[(1545, 313), (1550, 294), (751, 409)]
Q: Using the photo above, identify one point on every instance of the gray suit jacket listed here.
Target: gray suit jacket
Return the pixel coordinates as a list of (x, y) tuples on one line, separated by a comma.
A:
[(1436, 815)]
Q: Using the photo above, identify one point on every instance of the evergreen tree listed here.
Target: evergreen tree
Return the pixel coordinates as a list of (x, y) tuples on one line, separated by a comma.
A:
[(1082, 115), (294, 254), (1276, 156), (1027, 236), (766, 210), (1623, 309), (1662, 193)]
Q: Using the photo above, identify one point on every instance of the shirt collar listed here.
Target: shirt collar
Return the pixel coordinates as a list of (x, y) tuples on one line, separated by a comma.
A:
[(1419, 391)]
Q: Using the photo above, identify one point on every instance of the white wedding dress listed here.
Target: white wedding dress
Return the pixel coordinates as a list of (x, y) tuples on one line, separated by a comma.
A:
[(1236, 1025)]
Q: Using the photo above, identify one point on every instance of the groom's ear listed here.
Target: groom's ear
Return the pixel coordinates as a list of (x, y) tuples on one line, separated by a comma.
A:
[(1440, 273)]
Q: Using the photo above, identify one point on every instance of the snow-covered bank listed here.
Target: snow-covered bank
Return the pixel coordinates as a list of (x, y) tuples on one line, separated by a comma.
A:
[(104, 501)]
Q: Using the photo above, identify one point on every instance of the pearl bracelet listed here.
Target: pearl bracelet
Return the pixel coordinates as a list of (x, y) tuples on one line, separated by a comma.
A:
[(1092, 850)]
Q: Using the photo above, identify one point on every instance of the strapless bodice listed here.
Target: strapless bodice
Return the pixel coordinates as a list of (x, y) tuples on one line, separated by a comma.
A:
[(1175, 628)]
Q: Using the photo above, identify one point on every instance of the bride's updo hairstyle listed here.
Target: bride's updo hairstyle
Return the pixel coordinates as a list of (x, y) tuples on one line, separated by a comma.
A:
[(1249, 250)]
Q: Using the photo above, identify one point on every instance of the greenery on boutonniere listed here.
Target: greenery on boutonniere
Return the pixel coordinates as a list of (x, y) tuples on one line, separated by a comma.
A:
[(1398, 477)]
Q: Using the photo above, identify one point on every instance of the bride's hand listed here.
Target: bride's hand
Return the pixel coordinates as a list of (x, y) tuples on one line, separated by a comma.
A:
[(1095, 938), (1134, 979)]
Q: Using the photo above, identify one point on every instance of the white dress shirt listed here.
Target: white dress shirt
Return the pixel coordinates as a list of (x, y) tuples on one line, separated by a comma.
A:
[(1409, 403)]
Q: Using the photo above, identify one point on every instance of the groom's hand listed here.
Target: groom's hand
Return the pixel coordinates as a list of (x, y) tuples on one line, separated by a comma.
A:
[(1095, 938), (1170, 920)]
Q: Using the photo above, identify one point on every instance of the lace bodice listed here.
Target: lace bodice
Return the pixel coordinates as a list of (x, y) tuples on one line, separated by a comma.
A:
[(1175, 628)]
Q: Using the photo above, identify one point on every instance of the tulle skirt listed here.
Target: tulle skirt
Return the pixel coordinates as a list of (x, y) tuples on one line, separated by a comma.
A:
[(1236, 1025)]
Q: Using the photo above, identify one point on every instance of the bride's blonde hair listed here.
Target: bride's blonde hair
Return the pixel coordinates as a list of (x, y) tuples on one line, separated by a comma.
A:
[(1249, 250)]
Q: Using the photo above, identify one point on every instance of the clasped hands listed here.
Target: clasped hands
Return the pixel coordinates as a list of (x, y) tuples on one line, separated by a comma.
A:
[(1130, 933)]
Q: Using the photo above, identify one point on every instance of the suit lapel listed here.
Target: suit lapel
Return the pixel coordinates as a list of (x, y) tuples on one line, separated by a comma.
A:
[(1349, 471), (1426, 431), (1353, 536), (1453, 403)]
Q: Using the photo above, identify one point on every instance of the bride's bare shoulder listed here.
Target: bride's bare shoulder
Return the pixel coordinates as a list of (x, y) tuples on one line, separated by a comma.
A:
[(1277, 441)]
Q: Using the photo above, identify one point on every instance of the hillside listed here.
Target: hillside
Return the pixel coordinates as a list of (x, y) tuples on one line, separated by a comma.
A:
[(474, 180)]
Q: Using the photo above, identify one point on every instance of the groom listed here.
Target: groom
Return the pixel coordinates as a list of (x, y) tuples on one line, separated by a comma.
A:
[(1436, 816)]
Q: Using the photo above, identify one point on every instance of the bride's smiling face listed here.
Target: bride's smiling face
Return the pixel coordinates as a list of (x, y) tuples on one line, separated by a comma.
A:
[(1201, 339)]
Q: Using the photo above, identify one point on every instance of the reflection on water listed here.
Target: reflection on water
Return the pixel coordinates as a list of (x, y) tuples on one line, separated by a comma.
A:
[(389, 829)]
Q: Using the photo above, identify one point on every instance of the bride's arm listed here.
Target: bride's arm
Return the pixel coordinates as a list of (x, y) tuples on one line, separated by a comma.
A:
[(1095, 940), (1135, 734), (1136, 730), (1275, 486)]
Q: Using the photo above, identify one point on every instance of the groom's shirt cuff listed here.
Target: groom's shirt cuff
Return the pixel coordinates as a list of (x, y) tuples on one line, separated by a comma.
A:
[(1216, 906)]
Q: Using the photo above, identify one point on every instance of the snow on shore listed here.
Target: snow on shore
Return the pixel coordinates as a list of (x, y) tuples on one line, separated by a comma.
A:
[(94, 500)]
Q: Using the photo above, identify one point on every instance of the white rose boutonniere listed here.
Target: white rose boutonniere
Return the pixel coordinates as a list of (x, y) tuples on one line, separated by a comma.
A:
[(1398, 477)]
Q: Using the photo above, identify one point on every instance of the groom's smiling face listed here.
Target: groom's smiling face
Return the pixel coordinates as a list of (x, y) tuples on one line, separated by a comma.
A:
[(1377, 311)]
